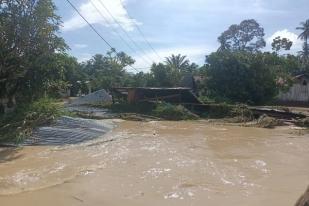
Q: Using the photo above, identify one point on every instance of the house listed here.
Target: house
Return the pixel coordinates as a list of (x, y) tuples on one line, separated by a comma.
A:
[(177, 95), (298, 93)]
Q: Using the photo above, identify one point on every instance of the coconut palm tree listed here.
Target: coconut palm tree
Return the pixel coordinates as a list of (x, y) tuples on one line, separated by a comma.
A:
[(304, 36), (178, 65), (177, 62)]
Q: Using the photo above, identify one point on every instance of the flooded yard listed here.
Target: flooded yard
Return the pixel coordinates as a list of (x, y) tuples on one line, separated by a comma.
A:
[(162, 163)]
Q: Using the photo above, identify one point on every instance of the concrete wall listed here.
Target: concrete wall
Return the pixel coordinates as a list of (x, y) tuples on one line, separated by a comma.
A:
[(299, 92)]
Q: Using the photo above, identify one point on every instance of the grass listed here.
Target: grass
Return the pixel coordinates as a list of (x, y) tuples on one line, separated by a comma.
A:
[(18, 125), (172, 112), (160, 110), (239, 112)]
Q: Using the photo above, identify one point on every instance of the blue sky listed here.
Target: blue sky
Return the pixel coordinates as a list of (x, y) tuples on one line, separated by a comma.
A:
[(188, 27)]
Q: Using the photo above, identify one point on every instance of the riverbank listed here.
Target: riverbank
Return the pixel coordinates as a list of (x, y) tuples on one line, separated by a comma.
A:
[(163, 163), (28, 120)]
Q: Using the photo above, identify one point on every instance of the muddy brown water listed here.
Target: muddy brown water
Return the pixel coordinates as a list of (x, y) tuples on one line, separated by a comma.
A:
[(162, 163)]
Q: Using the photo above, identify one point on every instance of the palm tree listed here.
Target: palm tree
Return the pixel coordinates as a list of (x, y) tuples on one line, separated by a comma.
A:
[(178, 62), (304, 36)]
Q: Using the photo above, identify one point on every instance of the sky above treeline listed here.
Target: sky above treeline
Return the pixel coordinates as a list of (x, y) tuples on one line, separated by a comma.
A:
[(187, 27)]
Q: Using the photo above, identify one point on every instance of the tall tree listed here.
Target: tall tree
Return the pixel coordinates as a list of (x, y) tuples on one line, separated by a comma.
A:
[(241, 76), (162, 76), (28, 34), (179, 65), (304, 36), (177, 62), (107, 71), (246, 36), (281, 43)]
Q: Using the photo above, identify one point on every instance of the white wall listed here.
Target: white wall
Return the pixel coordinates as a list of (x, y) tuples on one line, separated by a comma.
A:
[(297, 93)]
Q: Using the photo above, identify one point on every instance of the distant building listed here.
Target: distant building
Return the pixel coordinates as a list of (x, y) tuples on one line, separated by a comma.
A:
[(176, 95), (188, 81), (298, 93)]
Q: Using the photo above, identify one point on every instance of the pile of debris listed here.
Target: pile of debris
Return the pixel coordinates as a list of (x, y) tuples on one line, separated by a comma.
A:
[(98, 97)]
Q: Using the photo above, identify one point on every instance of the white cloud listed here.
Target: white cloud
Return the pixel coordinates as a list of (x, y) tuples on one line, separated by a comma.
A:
[(232, 6), (80, 46), (84, 57), (94, 17), (297, 44)]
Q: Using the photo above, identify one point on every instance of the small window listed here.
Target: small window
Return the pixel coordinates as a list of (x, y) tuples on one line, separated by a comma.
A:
[(304, 83)]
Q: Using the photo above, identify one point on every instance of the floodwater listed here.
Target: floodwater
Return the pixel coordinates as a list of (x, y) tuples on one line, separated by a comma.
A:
[(162, 163)]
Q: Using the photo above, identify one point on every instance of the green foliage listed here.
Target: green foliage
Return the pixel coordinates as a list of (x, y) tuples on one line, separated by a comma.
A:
[(238, 112), (242, 77), (140, 79), (105, 72), (172, 112), (16, 126), (163, 76), (304, 54), (304, 36), (177, 63), (28, 42), (241, 113), (171, 72), (161, 110), (281, 43), (221, 110)]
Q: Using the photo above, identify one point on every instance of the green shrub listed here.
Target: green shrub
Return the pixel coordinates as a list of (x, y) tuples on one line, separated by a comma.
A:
[(161, 110), (17, 125), (241, 113), (246, 77), (268, 122), (172, 112), (221, 110)]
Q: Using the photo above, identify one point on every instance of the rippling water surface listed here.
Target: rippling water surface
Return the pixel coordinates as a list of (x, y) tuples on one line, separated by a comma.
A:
[(162, 163)]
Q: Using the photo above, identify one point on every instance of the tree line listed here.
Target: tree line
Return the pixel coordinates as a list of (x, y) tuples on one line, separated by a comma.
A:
[(34, 61)]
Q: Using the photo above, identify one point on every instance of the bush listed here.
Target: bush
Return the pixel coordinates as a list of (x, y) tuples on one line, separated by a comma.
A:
[(172, 112), (268, 122), (242, 77), (303, 122), (160, 110), (221, 110), (16, 126), (241, 113)]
